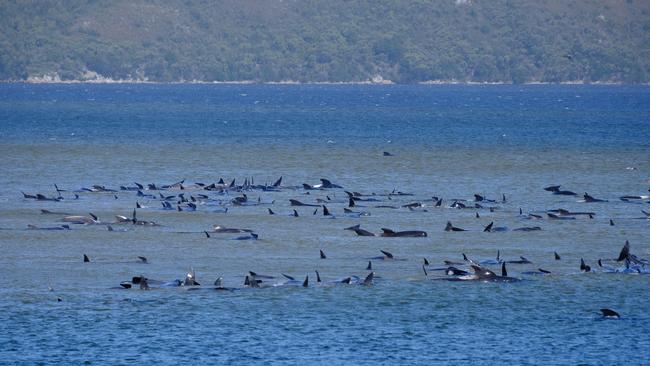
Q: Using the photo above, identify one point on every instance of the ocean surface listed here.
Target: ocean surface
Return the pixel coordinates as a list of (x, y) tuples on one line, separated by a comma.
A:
[(447, 141)]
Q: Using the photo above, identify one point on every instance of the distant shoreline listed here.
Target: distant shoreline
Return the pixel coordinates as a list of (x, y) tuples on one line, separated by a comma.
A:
[(250, 82), (95, 78)]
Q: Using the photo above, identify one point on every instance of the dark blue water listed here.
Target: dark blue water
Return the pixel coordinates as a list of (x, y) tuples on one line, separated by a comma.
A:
[(537, 116), (450, 141)]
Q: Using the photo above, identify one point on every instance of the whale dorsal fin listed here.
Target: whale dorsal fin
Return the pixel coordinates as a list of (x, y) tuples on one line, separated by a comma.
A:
[(504, 271), (426, 262), (326, 212), (488, 228), (295, 213), (318, 277), (368, 280), (322, 255), (387, 254), (306, 282), (93, 216), (625, 252), (86, 259), (289, 277), (557, 256), (387, 231), (271, 211)]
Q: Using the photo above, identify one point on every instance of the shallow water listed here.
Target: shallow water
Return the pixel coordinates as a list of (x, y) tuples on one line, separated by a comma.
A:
[(448, 141)]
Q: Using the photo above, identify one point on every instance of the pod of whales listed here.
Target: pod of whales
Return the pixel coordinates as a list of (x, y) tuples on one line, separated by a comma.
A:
[(388, 233), (489, 214)]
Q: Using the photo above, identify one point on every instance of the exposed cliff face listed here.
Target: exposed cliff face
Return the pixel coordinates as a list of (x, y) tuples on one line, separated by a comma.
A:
[(327, 41)]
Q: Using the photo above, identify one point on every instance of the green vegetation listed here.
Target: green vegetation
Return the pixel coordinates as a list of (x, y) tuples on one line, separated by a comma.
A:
[(328, 40)]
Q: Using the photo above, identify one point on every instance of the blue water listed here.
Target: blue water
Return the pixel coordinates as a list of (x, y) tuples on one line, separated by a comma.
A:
[(536, 116), (449, 141)]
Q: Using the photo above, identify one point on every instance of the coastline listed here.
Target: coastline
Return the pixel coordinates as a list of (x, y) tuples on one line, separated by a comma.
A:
[(377, 80), (253, 82)]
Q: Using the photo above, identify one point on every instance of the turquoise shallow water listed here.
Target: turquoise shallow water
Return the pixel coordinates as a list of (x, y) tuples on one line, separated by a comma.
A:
[(448, 141)]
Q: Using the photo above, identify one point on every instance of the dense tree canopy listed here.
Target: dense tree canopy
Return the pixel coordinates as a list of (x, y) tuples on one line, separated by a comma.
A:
[(334, 40)]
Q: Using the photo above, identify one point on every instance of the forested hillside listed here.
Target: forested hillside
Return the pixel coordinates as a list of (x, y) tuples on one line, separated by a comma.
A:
[(328, 40)]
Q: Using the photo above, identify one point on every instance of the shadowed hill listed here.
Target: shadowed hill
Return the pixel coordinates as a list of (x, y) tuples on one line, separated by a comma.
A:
[(337, 40)]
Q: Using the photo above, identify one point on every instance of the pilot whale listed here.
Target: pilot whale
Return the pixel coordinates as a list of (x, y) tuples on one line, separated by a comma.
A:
[(483, 274), (403, 234), (359, 231)]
